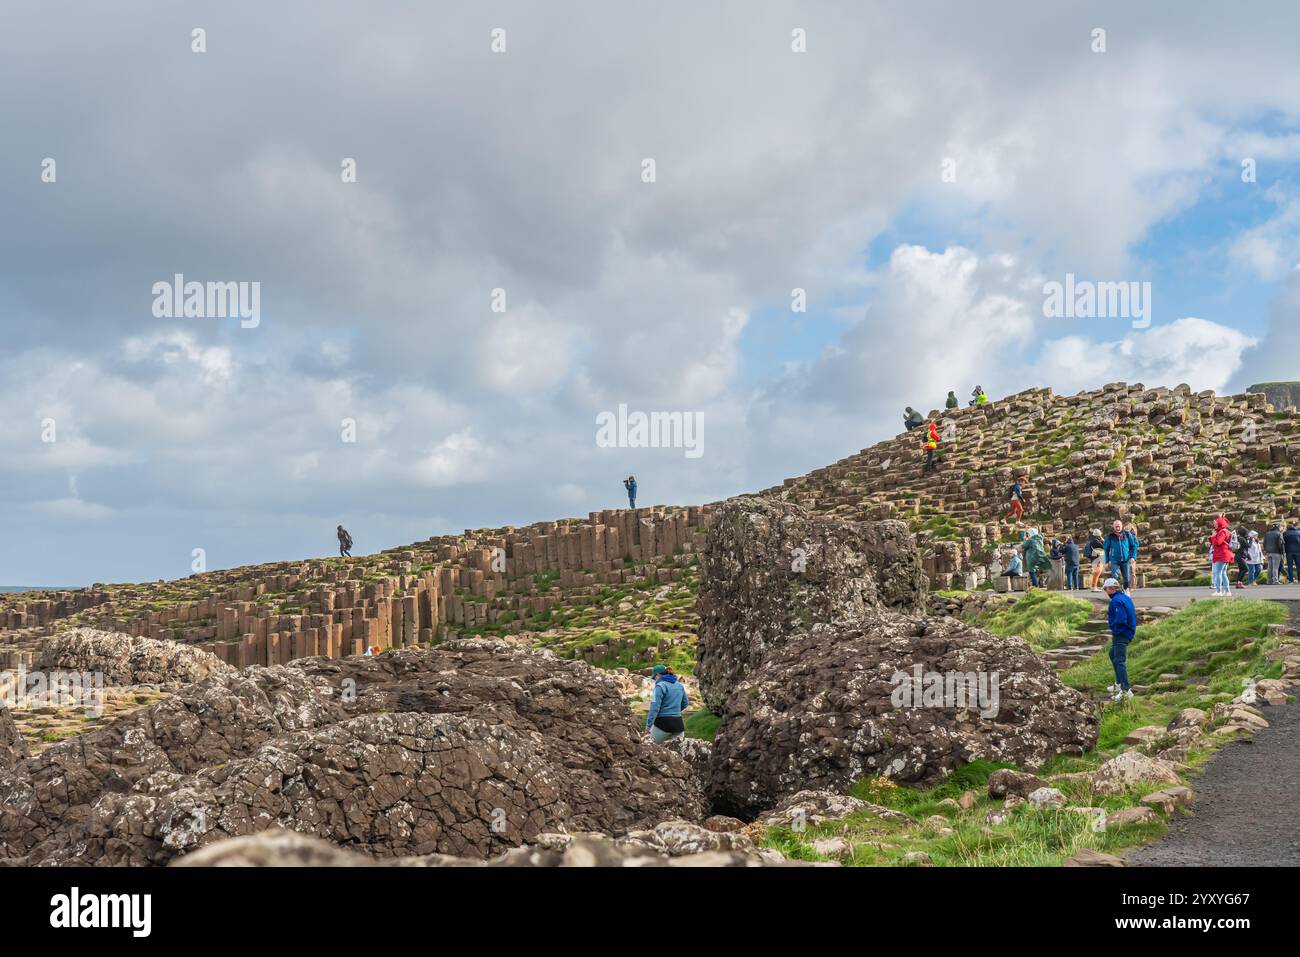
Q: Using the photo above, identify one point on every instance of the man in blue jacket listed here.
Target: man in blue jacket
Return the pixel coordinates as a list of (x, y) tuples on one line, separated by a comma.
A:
[(1119, 552), (664, 719), (1291, 542), (1122, 618), (629, 483)]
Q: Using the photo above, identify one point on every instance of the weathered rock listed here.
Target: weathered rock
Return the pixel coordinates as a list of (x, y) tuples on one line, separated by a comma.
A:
[(1045, 797), (1086, 857), (1005, 781), (1129, 769), (833, 847), (821, 712), (12, 747), (128, 659), (1131, 815), (917, 859), (469, 749), (1188, 718), (811, 808), (771, 570), (1169, 798)]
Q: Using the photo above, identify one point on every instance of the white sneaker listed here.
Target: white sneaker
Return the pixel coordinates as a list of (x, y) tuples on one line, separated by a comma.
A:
[(1126, 694)]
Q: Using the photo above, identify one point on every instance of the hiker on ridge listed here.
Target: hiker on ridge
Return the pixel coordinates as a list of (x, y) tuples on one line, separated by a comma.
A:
[(913, 419), (1221, 557), (663, 721), (1122, 618), (1291, 539), (1118, 549), (345, 542), (951, 402), (1274, 552), (977, 396), (629, 483)]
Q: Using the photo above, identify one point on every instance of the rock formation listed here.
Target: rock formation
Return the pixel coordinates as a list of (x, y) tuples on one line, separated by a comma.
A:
[(127, 659), (469, 749), (815, 674), (771, 570)]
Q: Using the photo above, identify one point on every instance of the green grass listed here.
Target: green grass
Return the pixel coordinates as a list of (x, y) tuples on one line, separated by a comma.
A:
[(1206, 642), (702, 724), (1042, 618)]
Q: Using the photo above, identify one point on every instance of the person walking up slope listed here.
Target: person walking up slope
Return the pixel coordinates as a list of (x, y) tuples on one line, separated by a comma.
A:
[(345, 542), (1122, 618)]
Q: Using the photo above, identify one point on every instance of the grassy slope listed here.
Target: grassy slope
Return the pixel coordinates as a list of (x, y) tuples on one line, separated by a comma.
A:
[(1204, 642)]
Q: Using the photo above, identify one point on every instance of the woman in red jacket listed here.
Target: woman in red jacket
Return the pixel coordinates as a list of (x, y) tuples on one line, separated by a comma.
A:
[(1220, 557)]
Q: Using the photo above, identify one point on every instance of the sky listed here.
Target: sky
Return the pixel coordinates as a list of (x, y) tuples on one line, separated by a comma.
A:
[(475, 228)]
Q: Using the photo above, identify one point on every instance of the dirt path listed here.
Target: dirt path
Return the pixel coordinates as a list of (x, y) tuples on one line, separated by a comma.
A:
[(1247, 810)]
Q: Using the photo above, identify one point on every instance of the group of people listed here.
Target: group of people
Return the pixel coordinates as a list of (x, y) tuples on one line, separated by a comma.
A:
[(1060, 562), (1243, 547), (914, 420)]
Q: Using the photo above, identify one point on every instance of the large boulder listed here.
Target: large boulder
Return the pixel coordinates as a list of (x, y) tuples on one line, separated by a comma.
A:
[(13, 748), (842, 702), (127, 659), (469, 749), (772, 570)]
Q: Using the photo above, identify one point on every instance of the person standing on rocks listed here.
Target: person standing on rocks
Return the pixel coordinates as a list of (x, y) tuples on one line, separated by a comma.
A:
[(629, 483), (1221, 557), (951, 402), (1118, 551), (345, 542), (1274, 552), (1070, 553), (931, 446), (1291, 539), (1095, 552), (1036, 560), (1131, 533), (1122, 618), (1254, 559), (663, 721)]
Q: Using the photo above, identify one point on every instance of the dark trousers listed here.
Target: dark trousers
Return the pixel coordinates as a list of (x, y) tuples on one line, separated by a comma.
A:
[(1242, 569), (1072, 577), (1119, 660), (1292, 566), (1123, 572)]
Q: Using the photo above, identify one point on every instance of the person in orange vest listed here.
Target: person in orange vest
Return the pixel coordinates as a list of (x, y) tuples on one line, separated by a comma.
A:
[(931, 446)]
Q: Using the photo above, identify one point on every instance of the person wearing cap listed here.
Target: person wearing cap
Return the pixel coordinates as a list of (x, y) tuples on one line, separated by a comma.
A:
[(663, 721), (1122, 618)]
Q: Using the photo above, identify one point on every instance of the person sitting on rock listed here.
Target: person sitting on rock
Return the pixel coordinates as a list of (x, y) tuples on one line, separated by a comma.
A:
[(629, 483), (1122, 618), (951, 402), (663, 721), (1015, 567), (345, 543), (913, 419)]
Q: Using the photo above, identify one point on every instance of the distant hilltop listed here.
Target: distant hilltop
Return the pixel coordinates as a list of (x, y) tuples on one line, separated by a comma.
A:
[(1281, 395)]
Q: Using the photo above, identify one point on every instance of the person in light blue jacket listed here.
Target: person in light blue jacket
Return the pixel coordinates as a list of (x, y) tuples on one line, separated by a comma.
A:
[(664, 719)]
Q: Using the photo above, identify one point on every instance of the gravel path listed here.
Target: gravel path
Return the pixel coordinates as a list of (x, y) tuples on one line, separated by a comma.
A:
[(1247, 809)]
